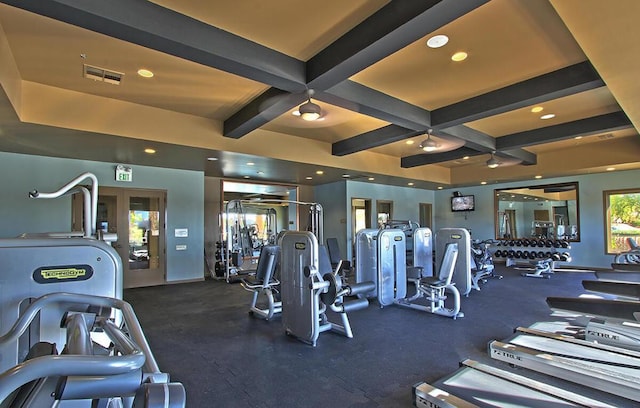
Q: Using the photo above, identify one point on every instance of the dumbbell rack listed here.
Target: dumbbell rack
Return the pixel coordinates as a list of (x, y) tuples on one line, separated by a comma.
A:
[(531, 249)]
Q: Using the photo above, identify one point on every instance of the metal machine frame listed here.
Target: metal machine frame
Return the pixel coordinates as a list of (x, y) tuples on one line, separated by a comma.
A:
[(310, 287)]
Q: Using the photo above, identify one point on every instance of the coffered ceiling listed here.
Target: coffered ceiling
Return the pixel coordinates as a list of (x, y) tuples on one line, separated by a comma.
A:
[(229, 75)]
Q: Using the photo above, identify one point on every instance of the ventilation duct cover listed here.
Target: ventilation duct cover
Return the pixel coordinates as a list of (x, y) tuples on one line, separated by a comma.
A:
[(101, 74)]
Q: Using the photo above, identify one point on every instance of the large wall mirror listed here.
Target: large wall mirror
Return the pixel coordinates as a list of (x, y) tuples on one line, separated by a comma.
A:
[(542, 211)]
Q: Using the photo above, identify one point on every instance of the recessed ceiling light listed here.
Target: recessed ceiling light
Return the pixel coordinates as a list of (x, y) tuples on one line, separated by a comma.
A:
[(149, 151), (409, 184), (578, 137), (437, 41), (483, 182), (409, 142), (371, 179), (537, 109), (611, 168), (251, 164), (145, 73), (319, 172), (440, 187), (308, 178), (212, 158), (247, 177), (260, 173), (538, 176), (459, 56), (548, 116), (345, 176), (465, 158)]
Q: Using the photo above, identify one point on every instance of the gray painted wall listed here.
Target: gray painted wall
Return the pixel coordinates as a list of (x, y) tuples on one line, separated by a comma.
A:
[(406, 204), (185, 202), (589, 252)]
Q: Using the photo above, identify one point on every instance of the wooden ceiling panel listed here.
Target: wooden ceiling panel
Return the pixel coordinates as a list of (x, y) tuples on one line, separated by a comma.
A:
[(578, 106), (52, 56), (295, 28), (507, 41)]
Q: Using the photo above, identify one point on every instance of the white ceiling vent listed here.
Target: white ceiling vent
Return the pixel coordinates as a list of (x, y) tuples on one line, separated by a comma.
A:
[(101, 74), (606, 136)]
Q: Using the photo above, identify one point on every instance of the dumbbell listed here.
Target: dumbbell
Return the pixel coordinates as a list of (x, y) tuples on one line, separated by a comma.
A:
[(540, 254), (518, 254), (498, 254), (525, 242), (511, 253), (555, 256), (564, 244), (565, 257)]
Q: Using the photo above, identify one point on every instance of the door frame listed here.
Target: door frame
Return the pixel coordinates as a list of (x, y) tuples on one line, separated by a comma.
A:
[(132, 277)]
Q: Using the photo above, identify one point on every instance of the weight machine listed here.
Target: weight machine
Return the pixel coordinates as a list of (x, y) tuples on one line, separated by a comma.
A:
[(310, 288), (64, 289), (242, 245)]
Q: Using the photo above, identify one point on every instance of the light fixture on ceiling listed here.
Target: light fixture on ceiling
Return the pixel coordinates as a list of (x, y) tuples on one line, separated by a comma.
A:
[(145, 73), (309, 111), (428, 144), (459, 56), (492, 163), (437, 41)]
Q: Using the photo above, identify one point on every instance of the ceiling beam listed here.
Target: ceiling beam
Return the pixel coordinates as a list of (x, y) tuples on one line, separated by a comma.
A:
[(563, 82), (583, 127), (149, 25), (474, 139), (374, 138), (528, 158), (434, 158), (263, 109), (367, 101), (393, 27)]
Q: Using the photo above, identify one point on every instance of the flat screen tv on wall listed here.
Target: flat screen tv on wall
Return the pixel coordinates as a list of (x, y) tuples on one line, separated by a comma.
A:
[(463, 203)]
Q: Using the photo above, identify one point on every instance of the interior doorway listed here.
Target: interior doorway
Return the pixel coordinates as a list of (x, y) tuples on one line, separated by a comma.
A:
[(426, 215), (384, 211), (137, 216)]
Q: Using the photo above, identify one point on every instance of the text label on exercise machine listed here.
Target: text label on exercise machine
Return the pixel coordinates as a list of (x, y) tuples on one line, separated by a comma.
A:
[(66, 273)]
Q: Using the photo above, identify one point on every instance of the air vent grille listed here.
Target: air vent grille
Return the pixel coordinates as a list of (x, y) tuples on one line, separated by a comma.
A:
[(606, 136), (102, 75)]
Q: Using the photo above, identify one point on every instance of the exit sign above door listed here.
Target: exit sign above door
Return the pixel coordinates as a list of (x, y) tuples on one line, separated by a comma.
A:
[(124, 173)]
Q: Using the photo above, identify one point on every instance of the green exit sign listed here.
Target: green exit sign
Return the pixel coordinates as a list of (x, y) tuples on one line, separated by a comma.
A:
[(124, 173)]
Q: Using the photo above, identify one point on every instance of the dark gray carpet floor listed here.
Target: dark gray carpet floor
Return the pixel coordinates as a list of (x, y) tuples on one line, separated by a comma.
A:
[(203, 336)]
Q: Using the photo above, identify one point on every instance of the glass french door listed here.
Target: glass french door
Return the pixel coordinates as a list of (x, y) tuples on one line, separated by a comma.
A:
[(137, 216)]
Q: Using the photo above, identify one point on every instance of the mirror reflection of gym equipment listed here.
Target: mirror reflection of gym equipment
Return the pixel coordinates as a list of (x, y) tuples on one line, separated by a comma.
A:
[(543, 211)]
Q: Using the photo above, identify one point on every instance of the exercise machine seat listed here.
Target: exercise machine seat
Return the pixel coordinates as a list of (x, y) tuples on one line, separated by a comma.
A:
[(445, 275), (265, 283), (266, 268)]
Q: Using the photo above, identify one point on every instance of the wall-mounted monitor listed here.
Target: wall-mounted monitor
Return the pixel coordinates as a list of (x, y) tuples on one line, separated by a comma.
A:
[(463, 203)]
